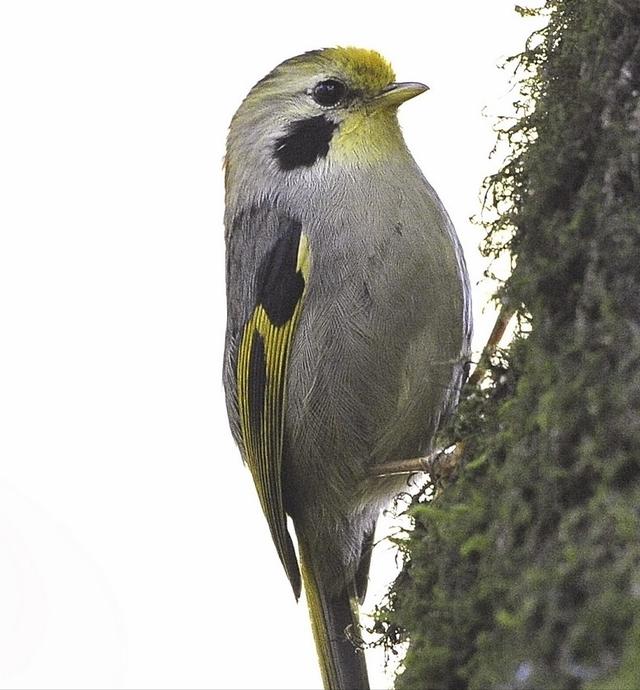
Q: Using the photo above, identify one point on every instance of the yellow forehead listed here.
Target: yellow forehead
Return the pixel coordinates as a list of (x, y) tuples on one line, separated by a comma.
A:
[(365, 69)]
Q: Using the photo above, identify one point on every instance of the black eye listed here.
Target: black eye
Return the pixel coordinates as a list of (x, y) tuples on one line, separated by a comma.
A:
[(329, 92)]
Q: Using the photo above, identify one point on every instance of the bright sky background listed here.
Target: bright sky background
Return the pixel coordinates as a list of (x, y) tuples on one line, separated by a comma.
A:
[(132, 549)]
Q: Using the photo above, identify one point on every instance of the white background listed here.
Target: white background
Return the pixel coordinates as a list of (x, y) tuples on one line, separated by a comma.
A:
[(132, 549)]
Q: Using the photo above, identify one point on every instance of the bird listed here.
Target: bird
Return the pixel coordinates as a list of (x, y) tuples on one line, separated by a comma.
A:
[(348, 321)]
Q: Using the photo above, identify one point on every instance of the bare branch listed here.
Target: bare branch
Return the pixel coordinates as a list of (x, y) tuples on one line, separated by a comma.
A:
[(403, 466), (499, 327)]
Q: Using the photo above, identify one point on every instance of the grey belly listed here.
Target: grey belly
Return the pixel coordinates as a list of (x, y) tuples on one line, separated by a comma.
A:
[(375, 360)]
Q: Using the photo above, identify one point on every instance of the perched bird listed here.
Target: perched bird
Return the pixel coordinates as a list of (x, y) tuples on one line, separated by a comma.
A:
[(348, 320)]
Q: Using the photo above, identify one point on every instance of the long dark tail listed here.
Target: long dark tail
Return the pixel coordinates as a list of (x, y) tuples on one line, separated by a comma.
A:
[(334, 621)]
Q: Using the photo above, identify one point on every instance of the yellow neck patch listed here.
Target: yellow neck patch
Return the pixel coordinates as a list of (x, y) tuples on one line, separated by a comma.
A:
[(366, 137)]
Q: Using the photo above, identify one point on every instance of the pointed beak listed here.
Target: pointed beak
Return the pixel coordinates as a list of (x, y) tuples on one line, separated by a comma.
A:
[(397, 93)]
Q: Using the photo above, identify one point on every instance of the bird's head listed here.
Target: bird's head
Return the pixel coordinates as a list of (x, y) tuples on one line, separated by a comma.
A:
[(336, 105)]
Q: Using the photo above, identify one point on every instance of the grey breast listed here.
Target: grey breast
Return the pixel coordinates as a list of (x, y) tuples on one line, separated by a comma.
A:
[(380, 347)]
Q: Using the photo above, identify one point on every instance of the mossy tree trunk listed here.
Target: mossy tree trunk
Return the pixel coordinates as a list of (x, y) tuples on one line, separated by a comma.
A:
[(524, 572)]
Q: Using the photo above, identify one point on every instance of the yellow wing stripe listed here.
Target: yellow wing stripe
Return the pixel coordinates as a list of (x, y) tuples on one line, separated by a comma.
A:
[(263, 436)]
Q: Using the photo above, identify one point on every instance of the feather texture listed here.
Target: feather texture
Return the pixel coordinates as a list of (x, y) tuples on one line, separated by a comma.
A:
[(261, 371), (348, 324)]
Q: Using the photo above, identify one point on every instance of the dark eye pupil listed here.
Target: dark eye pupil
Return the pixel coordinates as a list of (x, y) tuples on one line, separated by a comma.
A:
[(329, 92)]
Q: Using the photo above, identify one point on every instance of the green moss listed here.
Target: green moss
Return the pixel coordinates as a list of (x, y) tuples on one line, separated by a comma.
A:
[(627, 677), (524, 572)]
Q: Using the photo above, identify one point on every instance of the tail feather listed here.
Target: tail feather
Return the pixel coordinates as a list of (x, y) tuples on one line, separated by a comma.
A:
[(333, 618)]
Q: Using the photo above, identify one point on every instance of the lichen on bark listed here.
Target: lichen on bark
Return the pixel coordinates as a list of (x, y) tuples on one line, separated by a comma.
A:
[(524, 572)]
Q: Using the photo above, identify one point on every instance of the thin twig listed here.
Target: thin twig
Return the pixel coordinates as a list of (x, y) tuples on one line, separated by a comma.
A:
[(499, 327), (404, 466)]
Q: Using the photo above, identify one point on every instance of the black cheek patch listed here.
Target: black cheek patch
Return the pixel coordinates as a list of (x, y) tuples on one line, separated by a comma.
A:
[(280, 284), (305, 142)]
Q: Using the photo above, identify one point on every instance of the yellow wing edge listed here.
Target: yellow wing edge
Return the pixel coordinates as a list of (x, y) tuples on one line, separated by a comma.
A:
[(262, 363)]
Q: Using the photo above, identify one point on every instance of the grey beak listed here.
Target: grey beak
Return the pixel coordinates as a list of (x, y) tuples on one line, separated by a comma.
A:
[(399, 92)]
